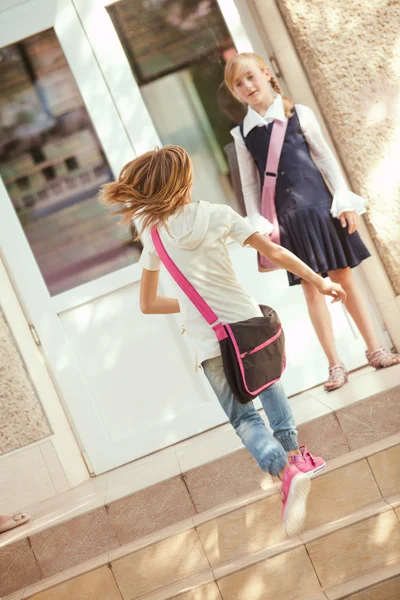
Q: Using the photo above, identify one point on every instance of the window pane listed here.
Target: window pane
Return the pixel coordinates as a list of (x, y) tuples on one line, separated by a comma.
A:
[(161, 36), (177, 50), (52, 164)]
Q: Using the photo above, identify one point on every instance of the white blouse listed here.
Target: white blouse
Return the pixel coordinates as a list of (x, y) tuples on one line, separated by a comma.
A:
[(343, 199)]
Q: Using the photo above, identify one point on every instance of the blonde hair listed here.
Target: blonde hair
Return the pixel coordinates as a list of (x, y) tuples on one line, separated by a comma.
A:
[(234, 66), (151, 187)]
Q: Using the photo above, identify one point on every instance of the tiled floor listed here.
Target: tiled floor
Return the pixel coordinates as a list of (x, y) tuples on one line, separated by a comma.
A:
[(386, 590), (250, 583), (386, 468), (68, 544), (363, 383), (91, 586), (362, 547), (172, 560), (191, 454)]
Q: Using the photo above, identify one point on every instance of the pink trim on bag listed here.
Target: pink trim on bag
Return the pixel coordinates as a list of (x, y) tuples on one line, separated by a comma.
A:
[(239, 358), (267, 343)]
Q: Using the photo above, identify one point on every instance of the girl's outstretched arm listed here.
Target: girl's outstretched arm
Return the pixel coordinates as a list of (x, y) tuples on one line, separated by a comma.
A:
[(150, 303), (283, 258)]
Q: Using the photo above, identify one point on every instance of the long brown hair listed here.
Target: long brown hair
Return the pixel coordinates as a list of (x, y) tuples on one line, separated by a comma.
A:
[(151, 187), (234, 66)]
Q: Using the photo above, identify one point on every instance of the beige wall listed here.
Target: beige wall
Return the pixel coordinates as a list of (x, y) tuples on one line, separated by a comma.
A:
[(22, 419), (351, 53)]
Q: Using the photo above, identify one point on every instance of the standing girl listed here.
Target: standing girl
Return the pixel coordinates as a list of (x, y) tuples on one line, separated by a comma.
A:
[(155, 188), (318, 229)]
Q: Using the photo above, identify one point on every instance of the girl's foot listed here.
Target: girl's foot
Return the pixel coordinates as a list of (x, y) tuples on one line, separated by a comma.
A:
[(8, 523), (381, 359), (338, 376), (295, 489)]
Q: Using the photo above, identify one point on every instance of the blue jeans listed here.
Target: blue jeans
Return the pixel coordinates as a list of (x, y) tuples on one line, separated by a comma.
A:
[(270, 451)]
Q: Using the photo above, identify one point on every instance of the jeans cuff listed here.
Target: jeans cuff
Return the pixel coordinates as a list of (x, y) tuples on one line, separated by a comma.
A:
[(288, 440), (274, 461)]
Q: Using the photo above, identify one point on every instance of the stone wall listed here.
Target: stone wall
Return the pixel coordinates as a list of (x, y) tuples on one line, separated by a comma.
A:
[(22, 420), (350, 50)]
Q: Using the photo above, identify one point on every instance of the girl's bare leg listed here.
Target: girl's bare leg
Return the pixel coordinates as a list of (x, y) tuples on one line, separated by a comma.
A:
[(357, 307), (322, 322)]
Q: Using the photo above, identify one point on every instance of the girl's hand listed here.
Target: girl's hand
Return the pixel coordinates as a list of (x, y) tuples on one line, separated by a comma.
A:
[(349, 217), (327, 288)]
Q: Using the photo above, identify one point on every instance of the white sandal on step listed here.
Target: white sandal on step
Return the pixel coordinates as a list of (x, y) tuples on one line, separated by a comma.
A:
[(338, 376), (382, 359)]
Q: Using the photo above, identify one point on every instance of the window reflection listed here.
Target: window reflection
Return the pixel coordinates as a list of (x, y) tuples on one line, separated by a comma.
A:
[(177, 50), (52, 164)]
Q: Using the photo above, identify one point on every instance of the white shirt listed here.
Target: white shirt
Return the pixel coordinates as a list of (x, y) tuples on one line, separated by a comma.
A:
[(196, 240), (343, 198)]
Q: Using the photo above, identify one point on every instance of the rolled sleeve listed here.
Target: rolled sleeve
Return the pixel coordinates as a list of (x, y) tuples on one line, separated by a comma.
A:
[(240, 229), (149, 259), (261, 224)]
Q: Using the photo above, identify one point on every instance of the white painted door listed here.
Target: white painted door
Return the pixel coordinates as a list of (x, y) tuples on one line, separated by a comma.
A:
[(63, 137)]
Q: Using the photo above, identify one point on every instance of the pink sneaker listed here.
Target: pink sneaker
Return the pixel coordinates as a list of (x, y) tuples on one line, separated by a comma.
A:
[(295, 489), (307, 463)]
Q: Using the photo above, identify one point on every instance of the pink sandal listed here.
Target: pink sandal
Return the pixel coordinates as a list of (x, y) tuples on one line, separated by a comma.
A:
[(381, 359), (338, 376)]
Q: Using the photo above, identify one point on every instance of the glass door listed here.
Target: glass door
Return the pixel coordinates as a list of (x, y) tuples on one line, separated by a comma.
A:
[(75, 270)]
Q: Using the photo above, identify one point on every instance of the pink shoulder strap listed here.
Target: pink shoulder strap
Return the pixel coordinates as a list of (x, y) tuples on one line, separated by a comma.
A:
[(186, 286), (275, 147), (268, 208)]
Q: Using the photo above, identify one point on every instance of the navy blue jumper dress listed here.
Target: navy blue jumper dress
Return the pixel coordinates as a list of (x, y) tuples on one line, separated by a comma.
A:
[(303, 204)]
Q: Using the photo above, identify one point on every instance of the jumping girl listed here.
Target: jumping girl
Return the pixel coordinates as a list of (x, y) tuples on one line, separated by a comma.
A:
[(318, 229), (155, 190)]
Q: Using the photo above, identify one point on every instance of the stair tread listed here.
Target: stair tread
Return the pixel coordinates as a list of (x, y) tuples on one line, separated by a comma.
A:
[(364, 581), (223, 570), (339, 592), (95, 493)]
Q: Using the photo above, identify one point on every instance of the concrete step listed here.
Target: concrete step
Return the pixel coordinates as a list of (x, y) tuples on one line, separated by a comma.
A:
[(237, 549), (213, 468)]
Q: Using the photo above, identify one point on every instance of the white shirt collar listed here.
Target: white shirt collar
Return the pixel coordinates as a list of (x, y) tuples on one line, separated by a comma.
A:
[(254, 119)]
